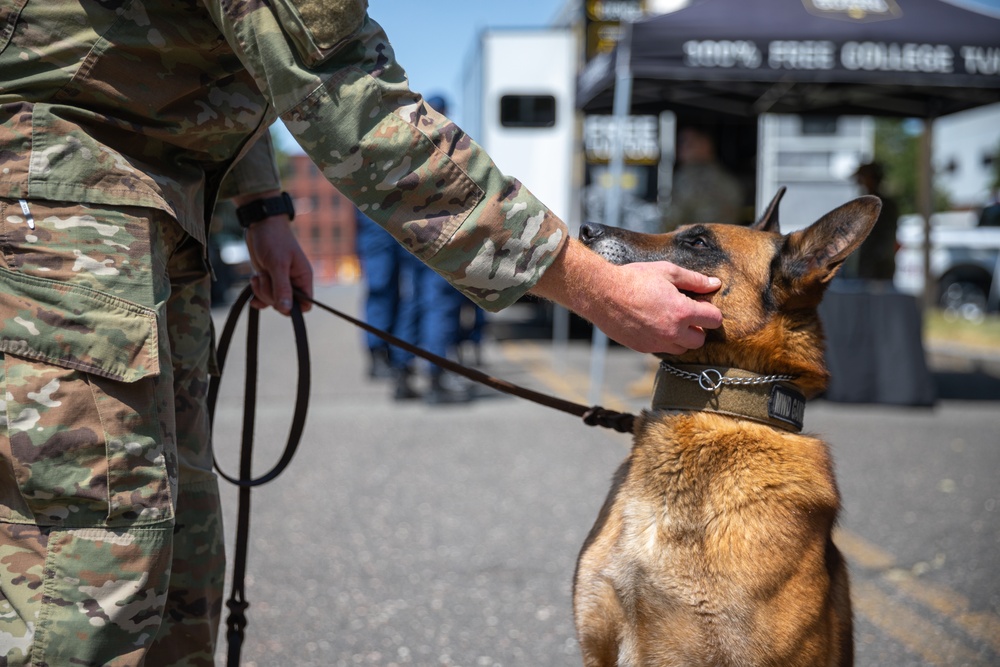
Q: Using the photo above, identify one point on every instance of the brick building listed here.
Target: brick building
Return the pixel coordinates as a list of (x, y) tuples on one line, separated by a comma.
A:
[(324, 222)]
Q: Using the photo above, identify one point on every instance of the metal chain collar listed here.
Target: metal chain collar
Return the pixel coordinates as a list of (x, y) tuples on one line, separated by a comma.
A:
[(711, 379)]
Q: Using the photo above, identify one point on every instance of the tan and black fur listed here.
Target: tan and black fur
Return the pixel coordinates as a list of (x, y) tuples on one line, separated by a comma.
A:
[(714, 545)]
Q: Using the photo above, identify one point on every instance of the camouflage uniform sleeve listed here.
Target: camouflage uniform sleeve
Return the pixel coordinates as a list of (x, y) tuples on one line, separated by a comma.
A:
[(330, 72), (256, 171)]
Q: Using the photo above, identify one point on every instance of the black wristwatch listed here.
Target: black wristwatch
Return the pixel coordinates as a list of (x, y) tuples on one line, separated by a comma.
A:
[(261, 209)]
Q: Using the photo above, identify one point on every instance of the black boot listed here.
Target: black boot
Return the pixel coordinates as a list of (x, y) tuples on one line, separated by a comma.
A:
[(440, 393), (379, 367), (404, 388)]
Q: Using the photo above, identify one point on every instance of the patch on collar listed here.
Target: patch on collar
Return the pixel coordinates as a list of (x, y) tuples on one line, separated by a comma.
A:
[(787, 405)]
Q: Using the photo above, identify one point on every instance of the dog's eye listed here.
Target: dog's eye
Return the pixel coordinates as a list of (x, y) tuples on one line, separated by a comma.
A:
[(697, 242)]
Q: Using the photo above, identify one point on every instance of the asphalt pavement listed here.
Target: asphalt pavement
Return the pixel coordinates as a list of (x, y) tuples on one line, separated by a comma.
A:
[(406, 534)]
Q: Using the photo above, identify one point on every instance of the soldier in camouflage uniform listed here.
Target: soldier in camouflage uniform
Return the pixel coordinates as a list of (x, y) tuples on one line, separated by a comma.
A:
[(703, 191), (119, 120)]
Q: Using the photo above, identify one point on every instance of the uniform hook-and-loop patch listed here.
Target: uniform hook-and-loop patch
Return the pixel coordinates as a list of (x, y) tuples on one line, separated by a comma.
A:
[(330, 21)]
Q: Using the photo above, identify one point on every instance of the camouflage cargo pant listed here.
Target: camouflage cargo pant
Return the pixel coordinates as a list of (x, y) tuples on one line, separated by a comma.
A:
[(110, 529)]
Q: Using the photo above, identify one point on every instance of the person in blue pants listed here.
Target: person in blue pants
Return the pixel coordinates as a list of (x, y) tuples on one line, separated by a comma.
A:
[(407, 298), (381, 258), (432, 310), (436, 322)]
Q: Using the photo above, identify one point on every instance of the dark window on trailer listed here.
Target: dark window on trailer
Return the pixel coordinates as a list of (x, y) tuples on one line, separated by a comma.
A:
[(527, 110), (819, 125)]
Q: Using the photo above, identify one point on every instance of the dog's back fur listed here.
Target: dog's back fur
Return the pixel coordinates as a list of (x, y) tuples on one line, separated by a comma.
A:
[(714, 544)]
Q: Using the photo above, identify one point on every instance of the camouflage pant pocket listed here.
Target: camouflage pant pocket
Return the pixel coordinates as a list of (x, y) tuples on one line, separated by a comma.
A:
[(107, 250), (79, 452), (88, 596)]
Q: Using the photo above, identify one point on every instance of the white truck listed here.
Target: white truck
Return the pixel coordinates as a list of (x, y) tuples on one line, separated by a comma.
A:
[(965, 260)]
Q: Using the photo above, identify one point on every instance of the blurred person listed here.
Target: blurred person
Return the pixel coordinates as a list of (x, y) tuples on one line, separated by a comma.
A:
[(876, 258), (433, 317), (473, 325), (703, 191), (381, 258), (119, 123), (431, 310)]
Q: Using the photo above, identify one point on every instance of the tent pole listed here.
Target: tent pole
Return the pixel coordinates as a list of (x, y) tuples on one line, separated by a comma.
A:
[(613, 195), (926, 203)]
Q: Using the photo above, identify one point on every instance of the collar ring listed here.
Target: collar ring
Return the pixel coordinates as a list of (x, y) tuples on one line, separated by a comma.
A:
[(710, 379)]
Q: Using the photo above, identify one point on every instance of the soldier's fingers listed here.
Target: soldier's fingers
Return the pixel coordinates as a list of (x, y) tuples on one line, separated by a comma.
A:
[(690, 338), (302, 280), (281, 293), (692, 281), (704, 315), (261, 285)]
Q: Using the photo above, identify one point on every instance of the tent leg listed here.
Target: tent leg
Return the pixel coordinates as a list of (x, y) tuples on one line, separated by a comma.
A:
[(926, 203), (613, 202)]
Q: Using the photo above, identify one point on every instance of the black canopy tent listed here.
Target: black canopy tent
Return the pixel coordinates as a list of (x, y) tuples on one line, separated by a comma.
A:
[(911, 58), (743, 58)]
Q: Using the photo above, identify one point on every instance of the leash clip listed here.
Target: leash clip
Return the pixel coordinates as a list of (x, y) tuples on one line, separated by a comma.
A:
[(710, 379)]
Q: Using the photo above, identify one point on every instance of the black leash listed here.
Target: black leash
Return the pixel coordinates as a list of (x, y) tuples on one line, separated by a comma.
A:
[(236, 621), (593, 415), (237, 604)]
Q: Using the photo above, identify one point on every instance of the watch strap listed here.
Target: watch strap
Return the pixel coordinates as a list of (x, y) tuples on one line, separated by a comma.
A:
[(264, 208)]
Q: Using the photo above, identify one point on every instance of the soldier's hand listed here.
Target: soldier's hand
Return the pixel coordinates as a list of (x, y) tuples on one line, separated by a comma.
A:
[(279, 263), (639, 305)]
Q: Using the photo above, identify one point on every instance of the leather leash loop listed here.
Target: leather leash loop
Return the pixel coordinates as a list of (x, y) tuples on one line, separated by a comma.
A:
[(237, 604), (250, 386)]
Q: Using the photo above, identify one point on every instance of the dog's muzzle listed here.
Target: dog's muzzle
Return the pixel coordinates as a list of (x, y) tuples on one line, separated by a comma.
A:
[(605, 241)]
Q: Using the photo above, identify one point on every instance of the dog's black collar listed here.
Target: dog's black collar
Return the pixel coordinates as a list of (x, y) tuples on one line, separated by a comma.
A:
[(769, 399)]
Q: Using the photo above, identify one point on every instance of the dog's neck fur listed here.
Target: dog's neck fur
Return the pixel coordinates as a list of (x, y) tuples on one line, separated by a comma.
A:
[(784, 345)]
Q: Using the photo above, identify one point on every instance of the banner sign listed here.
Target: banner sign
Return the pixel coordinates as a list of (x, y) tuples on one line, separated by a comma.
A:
[(603, 20), (922, 58), (819, 55), (641, 139)]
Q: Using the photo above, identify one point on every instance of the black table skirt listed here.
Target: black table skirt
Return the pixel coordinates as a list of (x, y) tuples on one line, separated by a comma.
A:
[(874, 348)]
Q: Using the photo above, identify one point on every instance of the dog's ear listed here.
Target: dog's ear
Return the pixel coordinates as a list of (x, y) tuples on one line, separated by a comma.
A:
[(814, 254), (768, 221)]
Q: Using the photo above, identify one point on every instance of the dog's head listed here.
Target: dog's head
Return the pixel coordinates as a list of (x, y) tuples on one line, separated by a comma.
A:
[(771, 283)]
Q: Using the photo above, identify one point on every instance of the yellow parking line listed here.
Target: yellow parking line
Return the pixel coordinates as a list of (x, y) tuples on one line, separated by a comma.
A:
[(862, 553), (982, 626), (569, 384), (904, 625)]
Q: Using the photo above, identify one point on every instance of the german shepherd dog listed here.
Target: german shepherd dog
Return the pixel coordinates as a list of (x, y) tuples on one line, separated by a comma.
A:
[(714, 545)]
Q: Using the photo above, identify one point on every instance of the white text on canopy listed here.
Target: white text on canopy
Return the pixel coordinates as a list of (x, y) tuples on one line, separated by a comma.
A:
[(855, 56), (892, 57)]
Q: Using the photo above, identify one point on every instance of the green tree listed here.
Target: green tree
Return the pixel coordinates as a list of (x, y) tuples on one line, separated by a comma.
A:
[(897, 147)]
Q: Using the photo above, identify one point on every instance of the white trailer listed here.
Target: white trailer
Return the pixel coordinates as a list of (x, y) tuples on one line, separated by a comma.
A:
[(815, 158), (519, 105)]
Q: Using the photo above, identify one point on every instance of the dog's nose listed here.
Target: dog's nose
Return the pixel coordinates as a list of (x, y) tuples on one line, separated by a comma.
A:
[(591, 231)]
